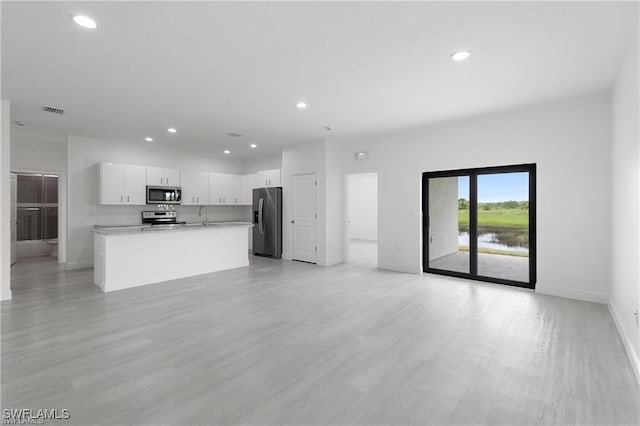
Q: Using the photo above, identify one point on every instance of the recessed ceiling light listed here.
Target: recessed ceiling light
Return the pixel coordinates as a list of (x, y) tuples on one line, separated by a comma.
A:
[(253, 145), (171, 130), (460, 55), (85, 22), (301, 105), (148, 139), (226, 151)]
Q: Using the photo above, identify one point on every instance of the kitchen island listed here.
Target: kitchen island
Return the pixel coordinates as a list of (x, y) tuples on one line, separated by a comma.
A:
[(132, 256)]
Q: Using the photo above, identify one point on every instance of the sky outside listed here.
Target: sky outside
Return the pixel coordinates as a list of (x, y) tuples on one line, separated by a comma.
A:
[(497, 187)]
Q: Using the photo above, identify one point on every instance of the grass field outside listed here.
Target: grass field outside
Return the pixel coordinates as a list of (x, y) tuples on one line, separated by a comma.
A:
[(511, 218), (508, 226)]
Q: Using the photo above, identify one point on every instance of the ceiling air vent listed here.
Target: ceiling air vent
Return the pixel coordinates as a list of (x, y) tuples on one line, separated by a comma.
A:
[(53, 110)]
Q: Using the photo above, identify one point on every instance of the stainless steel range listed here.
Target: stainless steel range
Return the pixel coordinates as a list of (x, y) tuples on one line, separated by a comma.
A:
[(161, 218)]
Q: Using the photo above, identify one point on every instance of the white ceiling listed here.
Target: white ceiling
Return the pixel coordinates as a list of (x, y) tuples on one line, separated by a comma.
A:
[(213, 68)]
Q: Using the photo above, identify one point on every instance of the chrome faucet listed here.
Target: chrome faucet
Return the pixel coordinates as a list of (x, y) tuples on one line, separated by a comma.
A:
[(206, 215)]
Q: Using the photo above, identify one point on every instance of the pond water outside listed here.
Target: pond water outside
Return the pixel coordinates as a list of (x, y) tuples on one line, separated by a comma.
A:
[(492, 240)]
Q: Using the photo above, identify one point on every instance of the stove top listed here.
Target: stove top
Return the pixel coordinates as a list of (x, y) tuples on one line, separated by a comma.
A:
[(156, 218)]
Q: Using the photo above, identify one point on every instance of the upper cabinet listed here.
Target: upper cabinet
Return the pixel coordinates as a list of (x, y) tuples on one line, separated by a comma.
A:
[(126, 184), (195, 187), (220, 188), (236, 195), (249, 182), (269, 178), (122, 184), (159, 176), (225, 189)]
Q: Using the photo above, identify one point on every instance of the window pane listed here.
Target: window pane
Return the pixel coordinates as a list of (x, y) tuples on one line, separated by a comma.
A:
[(503, 226), (449, 223), (29, 223), (50, 189), (50, 223), (29, 189)]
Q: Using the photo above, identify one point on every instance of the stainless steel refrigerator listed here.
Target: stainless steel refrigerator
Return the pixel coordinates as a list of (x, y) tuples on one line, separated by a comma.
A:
[(267, 222)]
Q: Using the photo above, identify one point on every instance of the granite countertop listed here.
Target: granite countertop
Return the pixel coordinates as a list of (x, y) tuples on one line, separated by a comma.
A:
[(136, 229)]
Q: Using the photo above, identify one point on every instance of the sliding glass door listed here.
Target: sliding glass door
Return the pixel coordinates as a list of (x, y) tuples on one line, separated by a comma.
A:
[(448, 238), (480, 224)]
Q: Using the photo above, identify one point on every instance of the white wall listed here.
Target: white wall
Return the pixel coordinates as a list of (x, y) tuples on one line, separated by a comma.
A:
[(29, 153), (33, 154), (333, 198), (625, 249), (5, 200), (569, 141), (266, 162), (83, 155), (443, 216), (363, 206)]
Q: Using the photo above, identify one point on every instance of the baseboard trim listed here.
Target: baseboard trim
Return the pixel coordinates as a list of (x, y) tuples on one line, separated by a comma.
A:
[(6, 296), (631, 352), (572, 293), (71, 266), (331, 262)]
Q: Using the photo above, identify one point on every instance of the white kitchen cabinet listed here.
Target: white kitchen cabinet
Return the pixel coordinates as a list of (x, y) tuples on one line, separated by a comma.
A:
[(249, 182), (225, 189), (220, 188), (195, 188), (236, 185), (160, 176), (122, 184), (269, 178)]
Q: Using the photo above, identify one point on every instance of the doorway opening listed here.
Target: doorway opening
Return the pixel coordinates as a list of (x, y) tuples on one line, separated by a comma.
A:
[(34, 214), (362, 219), (481, 224)]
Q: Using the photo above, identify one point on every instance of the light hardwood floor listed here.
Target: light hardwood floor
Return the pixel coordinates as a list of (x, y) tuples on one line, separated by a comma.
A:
[(285, 342)]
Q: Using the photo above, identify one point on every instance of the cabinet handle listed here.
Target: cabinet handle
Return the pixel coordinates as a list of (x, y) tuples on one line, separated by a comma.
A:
[(219, 200), (192, 199), (167, 179), (224, 200), (127, 198), (161, 181), (121, 198), (198, 199)]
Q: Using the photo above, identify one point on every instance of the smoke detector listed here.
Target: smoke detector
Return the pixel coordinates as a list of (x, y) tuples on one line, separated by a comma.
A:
[(53, 110)]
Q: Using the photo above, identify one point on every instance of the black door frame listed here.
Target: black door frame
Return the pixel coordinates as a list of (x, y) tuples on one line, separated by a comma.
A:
[(473, 222)]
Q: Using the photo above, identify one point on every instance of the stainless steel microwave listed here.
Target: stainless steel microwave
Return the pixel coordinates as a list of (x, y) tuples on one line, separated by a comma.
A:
[(164, 195)]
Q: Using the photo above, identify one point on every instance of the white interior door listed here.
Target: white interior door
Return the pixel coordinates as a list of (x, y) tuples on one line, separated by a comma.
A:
[(304, 217), (14, 218)]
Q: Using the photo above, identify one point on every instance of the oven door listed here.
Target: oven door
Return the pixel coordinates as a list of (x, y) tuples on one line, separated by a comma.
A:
[(163, 195)]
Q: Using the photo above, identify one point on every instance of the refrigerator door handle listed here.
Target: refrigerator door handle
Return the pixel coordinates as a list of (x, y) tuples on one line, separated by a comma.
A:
[(260, 211)]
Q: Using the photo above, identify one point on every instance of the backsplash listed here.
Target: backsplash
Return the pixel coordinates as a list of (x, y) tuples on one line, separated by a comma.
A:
[(131, 215)]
